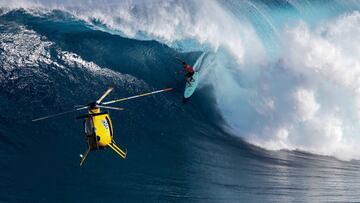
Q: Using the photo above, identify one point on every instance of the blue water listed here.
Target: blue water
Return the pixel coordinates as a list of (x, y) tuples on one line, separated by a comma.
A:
[(176, 152)]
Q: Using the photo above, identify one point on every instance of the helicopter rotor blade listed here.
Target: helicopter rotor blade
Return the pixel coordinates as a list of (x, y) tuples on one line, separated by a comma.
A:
[(111, 107), (78, 106), (136, 96), (104, 95), (59, 114)]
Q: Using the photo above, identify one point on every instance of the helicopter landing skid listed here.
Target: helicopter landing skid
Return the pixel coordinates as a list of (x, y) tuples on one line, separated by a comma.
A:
[(119, 151), (83, 157)]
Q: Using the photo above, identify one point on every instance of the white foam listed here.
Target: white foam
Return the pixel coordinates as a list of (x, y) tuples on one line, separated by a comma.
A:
[(167, 21), (26, 53), (310, 99), (23, 48)]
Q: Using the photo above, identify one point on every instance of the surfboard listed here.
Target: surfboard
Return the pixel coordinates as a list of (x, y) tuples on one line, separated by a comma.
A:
[(190, 87)]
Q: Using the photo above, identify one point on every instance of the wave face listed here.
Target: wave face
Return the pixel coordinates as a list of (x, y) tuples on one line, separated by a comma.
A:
[(280, 75)]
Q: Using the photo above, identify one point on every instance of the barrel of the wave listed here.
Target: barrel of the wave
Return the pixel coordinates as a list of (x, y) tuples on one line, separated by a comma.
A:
[(190, 86)]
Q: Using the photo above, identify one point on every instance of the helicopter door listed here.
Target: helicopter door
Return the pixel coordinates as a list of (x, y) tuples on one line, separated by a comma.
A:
[(88, 127), (90, 133)]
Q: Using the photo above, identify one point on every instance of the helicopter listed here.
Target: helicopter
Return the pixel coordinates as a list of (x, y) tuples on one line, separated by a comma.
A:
[(98, 125)]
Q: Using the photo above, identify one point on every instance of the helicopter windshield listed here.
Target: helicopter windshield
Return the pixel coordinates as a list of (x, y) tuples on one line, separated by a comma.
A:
[(88, 126)]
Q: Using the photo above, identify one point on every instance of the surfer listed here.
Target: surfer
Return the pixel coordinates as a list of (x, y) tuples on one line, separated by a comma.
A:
[(189, 72)]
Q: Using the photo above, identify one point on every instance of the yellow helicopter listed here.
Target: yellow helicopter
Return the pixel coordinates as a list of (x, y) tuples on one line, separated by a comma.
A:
[(98, 126)]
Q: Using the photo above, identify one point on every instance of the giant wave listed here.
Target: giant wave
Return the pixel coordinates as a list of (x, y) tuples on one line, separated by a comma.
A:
[(284, 73)]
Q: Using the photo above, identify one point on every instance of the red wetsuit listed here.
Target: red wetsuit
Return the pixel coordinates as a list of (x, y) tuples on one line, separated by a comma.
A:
[(188, 68)]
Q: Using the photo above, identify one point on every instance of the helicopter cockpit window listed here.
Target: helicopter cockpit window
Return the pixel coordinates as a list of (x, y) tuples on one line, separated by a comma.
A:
[(88, 124), (108, 121)]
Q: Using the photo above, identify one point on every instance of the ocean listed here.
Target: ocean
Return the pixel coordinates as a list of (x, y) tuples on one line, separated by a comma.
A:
[(275, 117)]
